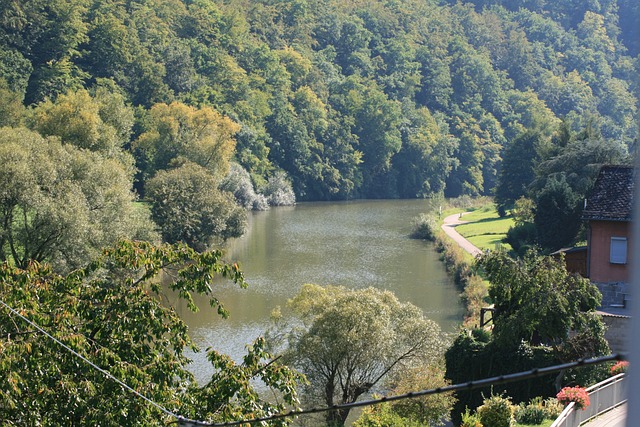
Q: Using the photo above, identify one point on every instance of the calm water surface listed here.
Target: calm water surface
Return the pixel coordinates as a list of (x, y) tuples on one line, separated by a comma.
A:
[(355, 244)]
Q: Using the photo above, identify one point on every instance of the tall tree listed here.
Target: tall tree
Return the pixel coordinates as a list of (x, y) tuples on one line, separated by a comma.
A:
[(517, 171), (178, 132), (62, 204), (350, 340)]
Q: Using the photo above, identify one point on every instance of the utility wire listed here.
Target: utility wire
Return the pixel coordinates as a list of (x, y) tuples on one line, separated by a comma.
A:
[(90, 363), (471, 385)]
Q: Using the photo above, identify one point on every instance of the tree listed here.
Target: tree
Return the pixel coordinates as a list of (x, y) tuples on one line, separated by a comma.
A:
[(543, 316), (350, 340), (517, 171), (425, 159), (536, 299), (557, 214), (11, 109), (62, 204), (102, 123), (114, 311), (179, 132), (189, 208)]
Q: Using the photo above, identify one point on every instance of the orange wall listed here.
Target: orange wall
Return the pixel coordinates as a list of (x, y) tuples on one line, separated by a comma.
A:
[(600, 269)]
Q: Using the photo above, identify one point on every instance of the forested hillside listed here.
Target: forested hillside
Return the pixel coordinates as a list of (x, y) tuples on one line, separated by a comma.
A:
[(395, 98)]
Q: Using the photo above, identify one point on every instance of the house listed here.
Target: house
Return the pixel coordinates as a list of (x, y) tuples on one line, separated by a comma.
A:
[(607, 212)]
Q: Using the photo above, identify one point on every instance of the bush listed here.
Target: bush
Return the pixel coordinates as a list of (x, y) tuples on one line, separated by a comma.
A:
[(470, 420), (279, 191), (496, 411), (382, 415), (424, 227), (521, 237), (552, 408), (474, 296), (481, 335), (530, 414), (238, 182)]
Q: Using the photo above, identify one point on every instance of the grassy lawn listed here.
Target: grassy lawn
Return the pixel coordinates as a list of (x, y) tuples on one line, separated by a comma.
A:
[(485, 228)]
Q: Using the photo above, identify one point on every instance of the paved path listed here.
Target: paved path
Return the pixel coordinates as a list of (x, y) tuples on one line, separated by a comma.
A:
[(613, 418), (448, 227)]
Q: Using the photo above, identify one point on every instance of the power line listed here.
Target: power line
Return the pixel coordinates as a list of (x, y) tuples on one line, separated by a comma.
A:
[(470, 385), (90, 363)]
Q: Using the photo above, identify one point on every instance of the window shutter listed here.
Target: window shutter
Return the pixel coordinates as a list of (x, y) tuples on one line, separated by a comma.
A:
[(618, 253)]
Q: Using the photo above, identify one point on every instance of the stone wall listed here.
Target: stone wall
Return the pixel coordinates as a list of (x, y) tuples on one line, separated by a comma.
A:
[(614, 294), (617, 333)]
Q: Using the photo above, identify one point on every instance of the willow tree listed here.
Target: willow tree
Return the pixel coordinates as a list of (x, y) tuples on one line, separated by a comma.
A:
[(351, 340), (62, 204)]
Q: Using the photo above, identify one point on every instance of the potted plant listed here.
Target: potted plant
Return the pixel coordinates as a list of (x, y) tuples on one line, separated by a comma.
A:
[(619, 367), (577, 395)]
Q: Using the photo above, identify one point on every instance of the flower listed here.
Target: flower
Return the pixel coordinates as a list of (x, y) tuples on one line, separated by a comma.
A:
[(619, 367), (578, 395)]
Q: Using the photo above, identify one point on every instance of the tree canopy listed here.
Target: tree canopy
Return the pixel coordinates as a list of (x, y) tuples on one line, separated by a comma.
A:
[(350, 99), (543, 316), (62, 204), (114, 312), (351, 340)]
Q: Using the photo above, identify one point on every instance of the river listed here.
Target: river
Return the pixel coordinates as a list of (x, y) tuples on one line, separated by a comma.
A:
[(354, 244)]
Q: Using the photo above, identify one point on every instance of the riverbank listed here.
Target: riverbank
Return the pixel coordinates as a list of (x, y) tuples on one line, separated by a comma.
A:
[(463, 230)]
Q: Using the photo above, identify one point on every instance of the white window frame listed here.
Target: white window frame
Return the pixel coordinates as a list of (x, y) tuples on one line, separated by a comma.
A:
[(618, 250)]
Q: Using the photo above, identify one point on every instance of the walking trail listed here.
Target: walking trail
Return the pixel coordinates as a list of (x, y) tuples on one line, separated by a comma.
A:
[(448, 226)]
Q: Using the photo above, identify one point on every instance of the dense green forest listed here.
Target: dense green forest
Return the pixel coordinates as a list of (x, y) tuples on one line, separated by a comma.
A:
[(397, 98), (207, 108)]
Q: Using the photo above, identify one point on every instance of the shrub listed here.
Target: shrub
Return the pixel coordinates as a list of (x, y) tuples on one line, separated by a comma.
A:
[(530, 414), (470, 420), (481, 335), (238, 182), (382, 415), (619, 367), (552, 408), (578, 395), (496, 411), (474, 296), (260, 203), (521, 237), (278, 190), (424, 227)]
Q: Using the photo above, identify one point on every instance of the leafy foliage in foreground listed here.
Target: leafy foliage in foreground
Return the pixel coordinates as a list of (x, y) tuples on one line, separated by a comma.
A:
[(111, 312)]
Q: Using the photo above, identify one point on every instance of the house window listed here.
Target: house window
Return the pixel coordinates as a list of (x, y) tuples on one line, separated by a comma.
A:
[(618, 253)]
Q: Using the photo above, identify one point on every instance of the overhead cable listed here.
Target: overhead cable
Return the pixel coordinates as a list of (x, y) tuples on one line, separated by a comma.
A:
[(470, 385), (467, 386)]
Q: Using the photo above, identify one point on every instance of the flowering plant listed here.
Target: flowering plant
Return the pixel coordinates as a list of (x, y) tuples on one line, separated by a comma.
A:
[(578, 395), (619, 367)]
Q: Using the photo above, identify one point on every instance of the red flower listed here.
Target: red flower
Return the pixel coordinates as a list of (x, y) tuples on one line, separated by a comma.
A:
[(578, 395), (619, 367)]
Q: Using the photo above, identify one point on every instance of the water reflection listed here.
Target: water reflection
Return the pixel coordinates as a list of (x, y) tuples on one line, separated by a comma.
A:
[(355, 244)]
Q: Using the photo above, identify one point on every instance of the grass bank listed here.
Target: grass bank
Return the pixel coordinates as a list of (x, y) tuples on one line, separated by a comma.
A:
[(485, 229)]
